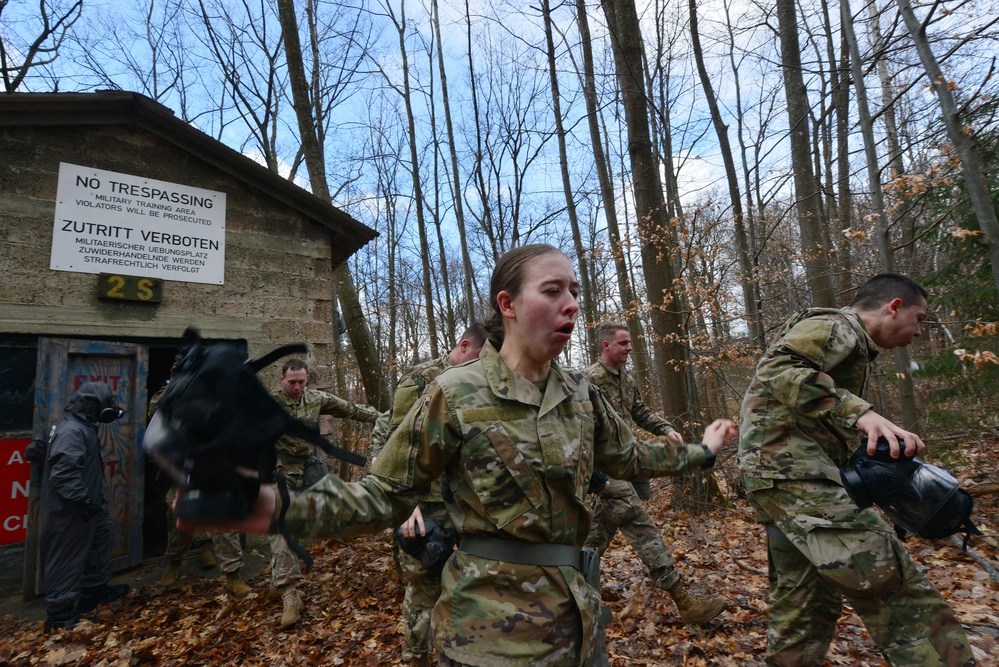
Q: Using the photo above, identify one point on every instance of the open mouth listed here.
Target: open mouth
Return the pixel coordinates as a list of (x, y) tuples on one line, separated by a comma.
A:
[(565, 330)]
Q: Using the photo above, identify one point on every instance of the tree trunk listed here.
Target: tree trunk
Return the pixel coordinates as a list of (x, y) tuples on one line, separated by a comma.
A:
[(459, 207), (357, 328), (906, 219), (815, 254), (582, 255), (742, 243), (841, 102), (640, 351), (622, 18), (418, 203), (906, 391)]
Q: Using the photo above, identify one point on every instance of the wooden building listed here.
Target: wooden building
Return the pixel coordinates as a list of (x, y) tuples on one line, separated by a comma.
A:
[(123, 225)]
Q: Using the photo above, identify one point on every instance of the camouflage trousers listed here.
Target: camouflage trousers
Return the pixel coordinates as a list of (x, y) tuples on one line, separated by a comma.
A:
[(226, 546), (423, 587), (285, 569), (823, 549), (619, 508)]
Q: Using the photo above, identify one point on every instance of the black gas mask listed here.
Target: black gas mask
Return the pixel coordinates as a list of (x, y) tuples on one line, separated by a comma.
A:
[(110, 412), (918, 497), (433, 548), (215, 429)]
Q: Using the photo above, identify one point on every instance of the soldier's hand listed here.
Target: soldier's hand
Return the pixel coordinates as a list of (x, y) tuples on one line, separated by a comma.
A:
[(719, 433), (413, 524), (875, 426), (675, 437)]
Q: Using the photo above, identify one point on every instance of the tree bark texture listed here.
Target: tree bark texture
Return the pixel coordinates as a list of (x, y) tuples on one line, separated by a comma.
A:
[(650, 206)]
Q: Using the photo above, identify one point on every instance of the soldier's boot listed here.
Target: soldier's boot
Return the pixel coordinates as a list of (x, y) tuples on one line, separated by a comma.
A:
[(207, 556), (417, 661), (235, 584), (694, 610), (170, 575), (293, 607)]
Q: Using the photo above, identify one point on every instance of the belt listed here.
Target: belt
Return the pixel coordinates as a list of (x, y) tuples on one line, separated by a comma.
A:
[(542, 554)]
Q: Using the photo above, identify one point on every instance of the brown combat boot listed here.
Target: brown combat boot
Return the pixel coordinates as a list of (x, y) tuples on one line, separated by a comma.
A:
[(293, 607), (207, 556), (235, 584), (170, 575), (694, 610)]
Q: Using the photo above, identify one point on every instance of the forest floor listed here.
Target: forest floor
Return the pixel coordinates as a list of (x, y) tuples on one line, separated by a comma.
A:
[(353, 601)]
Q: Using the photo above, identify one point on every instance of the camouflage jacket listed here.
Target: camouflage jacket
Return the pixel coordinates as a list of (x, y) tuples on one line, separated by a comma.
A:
[(620, 390), (798, 415), (308, 409), (517, 463), (411, 386)]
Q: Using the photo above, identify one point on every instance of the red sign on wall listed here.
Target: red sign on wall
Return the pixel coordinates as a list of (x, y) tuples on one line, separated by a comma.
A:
[(15, 473)]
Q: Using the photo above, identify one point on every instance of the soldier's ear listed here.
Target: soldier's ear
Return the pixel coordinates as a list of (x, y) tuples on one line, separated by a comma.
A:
[(893, 306), (505, 303)]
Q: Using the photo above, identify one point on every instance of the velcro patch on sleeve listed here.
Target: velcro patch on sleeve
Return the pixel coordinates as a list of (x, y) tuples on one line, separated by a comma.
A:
[(810, 337)]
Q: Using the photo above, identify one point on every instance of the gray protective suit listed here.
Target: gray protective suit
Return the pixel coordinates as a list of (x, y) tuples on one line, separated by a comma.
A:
[(75, 531)]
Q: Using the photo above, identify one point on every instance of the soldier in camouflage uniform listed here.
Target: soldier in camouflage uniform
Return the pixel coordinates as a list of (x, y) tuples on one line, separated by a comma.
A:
[(516, 437), (423, 585), (297, 461), (618, 505), (223, 549), (800, 416)]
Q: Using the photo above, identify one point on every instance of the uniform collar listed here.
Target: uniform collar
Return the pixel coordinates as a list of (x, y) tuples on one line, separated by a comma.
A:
[(612, 371), (872, 348), (507, 384)]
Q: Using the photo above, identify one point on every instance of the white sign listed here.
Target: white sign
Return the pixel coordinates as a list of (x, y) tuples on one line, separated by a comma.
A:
[(106, 222)]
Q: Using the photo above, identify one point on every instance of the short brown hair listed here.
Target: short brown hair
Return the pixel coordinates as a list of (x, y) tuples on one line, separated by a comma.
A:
[(884, 287), (474, 334), (609, 329), (295, 365)]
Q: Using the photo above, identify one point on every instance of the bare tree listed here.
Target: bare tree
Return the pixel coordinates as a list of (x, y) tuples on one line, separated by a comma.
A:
[(960, 135), (741, 238), (399, 22), (247, 48), (55, 20), (345, 292), (815, 251), (582, 256), (906, 390), (629, 303), (456, 182), (626, 38)]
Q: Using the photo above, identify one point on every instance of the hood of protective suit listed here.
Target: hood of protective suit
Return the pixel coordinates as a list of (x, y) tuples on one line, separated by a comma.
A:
[(88, 401)]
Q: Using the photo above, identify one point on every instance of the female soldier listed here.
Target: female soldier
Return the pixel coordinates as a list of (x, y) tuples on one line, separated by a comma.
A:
[(516, 437)]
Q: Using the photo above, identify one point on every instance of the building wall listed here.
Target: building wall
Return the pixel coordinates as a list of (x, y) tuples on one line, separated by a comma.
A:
[(277, 281), (277, 276)]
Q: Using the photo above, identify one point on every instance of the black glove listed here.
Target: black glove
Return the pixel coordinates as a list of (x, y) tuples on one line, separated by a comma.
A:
[(88, 510), (598, 481), (709, 457)]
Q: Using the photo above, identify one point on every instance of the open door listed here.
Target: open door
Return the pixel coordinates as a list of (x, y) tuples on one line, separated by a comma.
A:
[(64, 365)]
